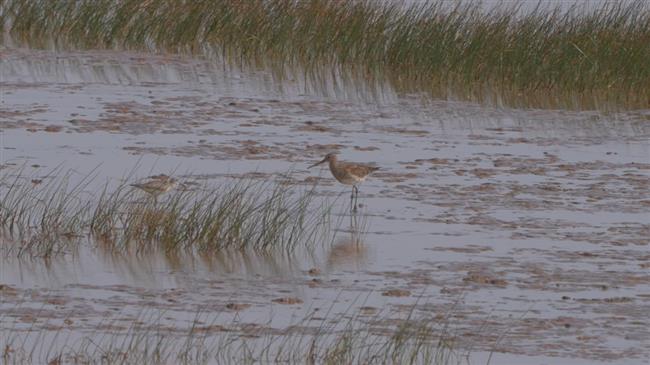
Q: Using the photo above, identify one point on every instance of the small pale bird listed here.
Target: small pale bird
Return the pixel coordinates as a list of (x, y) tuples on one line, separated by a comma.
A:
[(348, 173), (157, 186)]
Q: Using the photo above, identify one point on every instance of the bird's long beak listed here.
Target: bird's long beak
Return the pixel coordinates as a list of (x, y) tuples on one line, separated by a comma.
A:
[(317, 163)]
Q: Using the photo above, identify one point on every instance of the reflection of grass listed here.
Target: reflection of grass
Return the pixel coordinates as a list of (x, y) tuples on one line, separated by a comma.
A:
[(43, 219), (350, 340), (547, 57)]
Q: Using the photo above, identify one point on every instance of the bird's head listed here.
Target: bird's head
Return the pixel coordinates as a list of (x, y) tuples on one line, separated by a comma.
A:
[(328, 157)]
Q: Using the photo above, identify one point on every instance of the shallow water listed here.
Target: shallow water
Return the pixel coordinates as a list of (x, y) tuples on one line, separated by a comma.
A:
[(533, 224)]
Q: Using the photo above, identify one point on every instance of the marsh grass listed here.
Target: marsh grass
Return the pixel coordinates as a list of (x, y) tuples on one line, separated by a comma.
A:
[(241, 215), (581, 57), (41, 219), (348, 340), (50, 217)]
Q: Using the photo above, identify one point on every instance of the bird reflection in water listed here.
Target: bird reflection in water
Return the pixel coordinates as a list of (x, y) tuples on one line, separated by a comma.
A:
[(350, 251)]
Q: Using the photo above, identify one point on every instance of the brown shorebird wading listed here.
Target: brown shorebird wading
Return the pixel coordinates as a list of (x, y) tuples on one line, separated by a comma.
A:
[(157, 186), (348, 173)]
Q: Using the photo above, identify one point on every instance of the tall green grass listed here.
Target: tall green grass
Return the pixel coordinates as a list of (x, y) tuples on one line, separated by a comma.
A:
[(40, 219), (51, 217), (546, 57), (338, 340)]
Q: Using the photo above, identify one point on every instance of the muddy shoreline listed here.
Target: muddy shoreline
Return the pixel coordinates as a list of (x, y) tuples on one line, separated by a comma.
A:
[(532, 224)]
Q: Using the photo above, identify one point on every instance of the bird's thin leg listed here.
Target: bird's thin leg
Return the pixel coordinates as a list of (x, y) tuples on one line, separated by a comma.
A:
[(357, 197)]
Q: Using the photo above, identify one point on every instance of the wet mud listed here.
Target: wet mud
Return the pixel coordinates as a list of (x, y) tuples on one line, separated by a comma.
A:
[(525, 231)]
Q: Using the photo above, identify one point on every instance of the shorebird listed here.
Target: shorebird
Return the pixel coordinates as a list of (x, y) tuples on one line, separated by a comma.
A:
[(348, 173), (157, 186)]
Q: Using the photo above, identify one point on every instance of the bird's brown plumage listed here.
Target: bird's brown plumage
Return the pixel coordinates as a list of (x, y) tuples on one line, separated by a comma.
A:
[(348, 173), (157, 186)]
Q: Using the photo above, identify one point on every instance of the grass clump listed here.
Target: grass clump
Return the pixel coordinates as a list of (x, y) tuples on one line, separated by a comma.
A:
[(50, 217), (580, 57), (353, 341), (240, 215), (40, 219)]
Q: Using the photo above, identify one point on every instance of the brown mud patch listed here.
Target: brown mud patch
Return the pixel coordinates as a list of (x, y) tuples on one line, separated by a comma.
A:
[(287, 301), (484, 279), (396, 293), (473, 249)]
